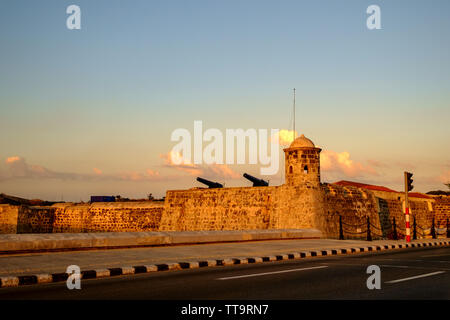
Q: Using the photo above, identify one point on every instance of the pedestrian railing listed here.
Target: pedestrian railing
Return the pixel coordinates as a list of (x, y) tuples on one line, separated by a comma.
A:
[(396, 232), (433, 230)]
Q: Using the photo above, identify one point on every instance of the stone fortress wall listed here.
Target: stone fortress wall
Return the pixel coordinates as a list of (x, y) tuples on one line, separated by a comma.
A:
[(302, 202), (260, 210), (8, 218), (108, 217), (354, 205), (242, 208)]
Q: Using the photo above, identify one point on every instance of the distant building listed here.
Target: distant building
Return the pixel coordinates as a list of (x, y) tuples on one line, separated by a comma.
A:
[(103, 199)]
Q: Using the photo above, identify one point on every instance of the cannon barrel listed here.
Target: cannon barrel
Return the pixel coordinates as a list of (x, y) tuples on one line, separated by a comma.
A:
[(256, 182), (210, 184)]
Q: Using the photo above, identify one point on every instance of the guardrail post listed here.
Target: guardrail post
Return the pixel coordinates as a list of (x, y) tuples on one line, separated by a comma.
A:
[(414, 229), (395, 230), (341, 229), (448, 230), (433, 230), (369, 236)]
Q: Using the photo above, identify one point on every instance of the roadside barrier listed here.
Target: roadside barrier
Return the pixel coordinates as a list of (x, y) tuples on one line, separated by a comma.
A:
[(395, 232)]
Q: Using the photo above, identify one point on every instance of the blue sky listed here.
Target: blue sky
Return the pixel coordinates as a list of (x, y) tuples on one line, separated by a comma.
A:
[(109, 95)]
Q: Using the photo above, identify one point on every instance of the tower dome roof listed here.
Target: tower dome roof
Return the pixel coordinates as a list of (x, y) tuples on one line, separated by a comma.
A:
[(302, 142)]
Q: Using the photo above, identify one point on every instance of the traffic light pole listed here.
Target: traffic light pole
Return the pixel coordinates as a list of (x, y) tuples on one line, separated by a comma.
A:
[(408, 229)]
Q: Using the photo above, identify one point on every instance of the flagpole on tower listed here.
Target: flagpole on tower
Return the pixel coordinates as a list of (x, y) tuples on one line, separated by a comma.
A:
[(294, 117)]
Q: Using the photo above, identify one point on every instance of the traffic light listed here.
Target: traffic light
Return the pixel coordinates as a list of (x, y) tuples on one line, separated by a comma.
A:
[(409, 181)]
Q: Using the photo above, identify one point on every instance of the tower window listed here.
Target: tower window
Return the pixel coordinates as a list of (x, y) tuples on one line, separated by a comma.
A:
[(305, 169), (290, 170)]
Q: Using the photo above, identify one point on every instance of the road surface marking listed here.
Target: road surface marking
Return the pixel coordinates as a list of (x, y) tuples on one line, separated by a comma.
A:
[(416, 277), (402, 260), (397, 266), (267, 273), (436, 255)]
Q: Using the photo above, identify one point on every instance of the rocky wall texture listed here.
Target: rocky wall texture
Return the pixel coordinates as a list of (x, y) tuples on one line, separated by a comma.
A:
[(245, 208), (441, 207), (421, 211), (8, 218), (219, 209), (35, 219), (354, 205), (239, 209), (108, 217)]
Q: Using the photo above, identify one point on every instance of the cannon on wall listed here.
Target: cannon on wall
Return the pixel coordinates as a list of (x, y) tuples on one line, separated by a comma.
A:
[(256, 182), (210, 184)]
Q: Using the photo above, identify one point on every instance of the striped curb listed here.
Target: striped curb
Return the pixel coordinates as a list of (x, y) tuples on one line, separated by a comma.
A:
[(15, 281)]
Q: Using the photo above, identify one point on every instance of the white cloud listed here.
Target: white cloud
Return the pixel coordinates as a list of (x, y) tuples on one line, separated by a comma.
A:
[(17, 168), (214, 171), (284, 137), (340, 163)]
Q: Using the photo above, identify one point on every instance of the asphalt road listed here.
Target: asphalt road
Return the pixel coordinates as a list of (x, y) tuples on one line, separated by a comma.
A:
[(57, 262), (422, 273)]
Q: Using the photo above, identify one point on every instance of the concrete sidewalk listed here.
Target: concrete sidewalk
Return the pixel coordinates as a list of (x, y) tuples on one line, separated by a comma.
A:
[(57, 262), (17, 243)]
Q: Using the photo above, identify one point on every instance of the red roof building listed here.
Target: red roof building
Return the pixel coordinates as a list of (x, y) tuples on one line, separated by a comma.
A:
[(345, 183)]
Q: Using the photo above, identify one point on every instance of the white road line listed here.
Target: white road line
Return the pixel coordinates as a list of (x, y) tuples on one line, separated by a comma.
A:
[(404, 260), (416, 277), (436, 255), (267, 273), (397, 266)]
